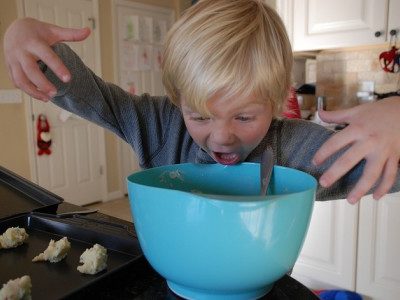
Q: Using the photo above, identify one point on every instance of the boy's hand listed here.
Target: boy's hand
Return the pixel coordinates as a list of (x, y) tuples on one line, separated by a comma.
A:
[(26, 42), (373, 134)]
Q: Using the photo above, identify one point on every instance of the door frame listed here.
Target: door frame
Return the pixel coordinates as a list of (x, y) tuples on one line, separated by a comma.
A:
[(29, 109)]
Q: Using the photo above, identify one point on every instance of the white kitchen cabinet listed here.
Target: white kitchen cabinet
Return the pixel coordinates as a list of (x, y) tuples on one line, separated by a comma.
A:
[(378, 263), (329, 254), (394, 20), (325, 24), (354, 248)]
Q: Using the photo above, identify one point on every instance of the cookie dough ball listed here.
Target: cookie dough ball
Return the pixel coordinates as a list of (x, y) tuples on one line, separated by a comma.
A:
[(55, 252), (17, 289), (94, 260), (13, 237)]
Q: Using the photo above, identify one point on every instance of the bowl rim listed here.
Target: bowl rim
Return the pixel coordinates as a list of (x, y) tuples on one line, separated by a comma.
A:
[(228, 198)]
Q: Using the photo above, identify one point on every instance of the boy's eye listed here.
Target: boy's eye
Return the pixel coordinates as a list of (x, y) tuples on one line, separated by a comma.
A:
[(199, 118), (244, 118)]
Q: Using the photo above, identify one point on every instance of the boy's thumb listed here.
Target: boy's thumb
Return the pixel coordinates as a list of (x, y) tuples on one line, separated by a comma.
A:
[(70, 34)]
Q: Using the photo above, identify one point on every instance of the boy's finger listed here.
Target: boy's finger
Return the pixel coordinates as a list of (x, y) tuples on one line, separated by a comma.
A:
[(36, 76), (335, 143), (51, 59), (370, 175), (69, 34), (343, 164), (22, 81), (388, 179), (337, 116)]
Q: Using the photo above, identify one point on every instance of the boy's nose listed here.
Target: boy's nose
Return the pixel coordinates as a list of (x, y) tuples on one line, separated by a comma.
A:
[(222, 134)]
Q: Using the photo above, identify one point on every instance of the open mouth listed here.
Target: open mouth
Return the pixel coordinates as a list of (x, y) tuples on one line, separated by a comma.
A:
[(226, 158)]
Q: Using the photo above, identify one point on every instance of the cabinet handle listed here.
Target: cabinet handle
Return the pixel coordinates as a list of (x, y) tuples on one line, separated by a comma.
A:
[(378, 33), (393, 32)]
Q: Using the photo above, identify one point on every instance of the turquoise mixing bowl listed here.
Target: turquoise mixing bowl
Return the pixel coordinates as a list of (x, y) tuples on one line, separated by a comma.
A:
[(207, 231)]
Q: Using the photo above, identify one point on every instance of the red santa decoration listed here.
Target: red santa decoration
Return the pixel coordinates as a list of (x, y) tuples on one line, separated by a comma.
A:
[(43, 135)]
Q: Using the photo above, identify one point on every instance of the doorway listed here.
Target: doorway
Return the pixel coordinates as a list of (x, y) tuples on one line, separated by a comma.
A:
[(75, 169)]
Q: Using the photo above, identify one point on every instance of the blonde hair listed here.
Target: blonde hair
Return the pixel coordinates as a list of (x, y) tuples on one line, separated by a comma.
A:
[(239, 47)]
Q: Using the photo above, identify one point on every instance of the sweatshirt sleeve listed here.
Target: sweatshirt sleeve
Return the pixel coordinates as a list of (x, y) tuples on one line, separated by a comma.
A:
[(300, 140), (142, 121)]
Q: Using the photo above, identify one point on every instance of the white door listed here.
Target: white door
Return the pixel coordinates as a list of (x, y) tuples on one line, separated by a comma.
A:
[(140, 30), (74, 169)]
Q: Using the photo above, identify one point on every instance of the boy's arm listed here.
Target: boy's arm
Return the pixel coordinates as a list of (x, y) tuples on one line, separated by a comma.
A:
[(142, 121), (87, 95), (28, 41), (143, 124)]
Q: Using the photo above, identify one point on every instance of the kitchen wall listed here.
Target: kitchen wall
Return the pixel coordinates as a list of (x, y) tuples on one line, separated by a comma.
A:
[(339, 73), (13, 135), (13, 127)]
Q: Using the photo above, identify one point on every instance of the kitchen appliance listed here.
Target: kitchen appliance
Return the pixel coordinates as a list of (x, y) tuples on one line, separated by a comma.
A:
[(307, 100)]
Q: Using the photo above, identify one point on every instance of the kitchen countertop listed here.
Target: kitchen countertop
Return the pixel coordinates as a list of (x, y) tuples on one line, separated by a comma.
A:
[(140, 281)]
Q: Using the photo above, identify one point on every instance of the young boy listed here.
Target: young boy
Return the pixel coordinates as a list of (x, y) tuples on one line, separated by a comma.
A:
[(226, 68)]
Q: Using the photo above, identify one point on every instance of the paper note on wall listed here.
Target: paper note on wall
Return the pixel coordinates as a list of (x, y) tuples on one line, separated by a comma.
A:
[(145, 57), (129, 53), (146, 29), (159, 31), (131, 82), (157, 58), (131, 28)]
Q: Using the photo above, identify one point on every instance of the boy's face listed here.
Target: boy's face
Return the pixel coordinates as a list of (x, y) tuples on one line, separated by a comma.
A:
[(236, 127)]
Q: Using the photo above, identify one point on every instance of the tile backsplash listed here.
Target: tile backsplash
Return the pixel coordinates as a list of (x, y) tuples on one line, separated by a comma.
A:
[(339, 73)]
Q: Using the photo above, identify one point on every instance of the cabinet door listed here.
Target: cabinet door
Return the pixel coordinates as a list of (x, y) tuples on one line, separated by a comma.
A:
[(324, 24), (394, 20), (328, 257), (378, 263)]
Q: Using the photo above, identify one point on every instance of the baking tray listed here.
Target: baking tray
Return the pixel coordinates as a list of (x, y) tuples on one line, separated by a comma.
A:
[(18, 196), (61, 280)]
